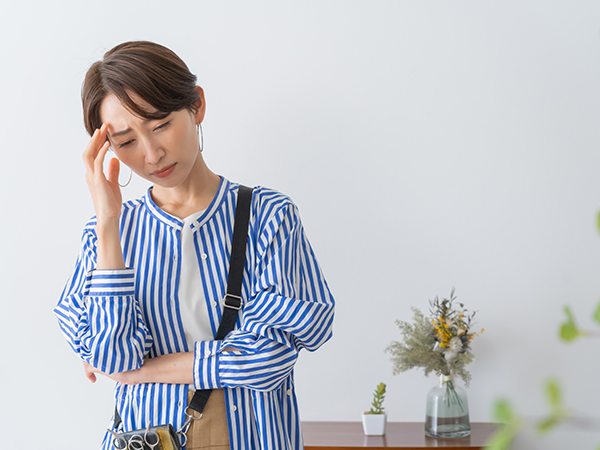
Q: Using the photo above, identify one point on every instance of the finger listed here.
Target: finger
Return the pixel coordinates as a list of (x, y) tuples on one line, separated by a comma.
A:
[(94, 145), (88, 153), (88, 370), (99, 161), (103, 131), (114, 168), (97, 138)]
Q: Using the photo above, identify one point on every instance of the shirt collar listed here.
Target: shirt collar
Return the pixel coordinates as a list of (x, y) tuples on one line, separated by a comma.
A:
[(177, 223), (221, 194)]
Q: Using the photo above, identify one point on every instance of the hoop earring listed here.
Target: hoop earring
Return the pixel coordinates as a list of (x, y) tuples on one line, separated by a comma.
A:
[(200, 136), (130, 171), (128, 181)]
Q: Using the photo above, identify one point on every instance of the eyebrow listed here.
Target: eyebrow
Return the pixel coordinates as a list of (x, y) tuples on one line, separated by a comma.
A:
[(121, 133), (125, 131)]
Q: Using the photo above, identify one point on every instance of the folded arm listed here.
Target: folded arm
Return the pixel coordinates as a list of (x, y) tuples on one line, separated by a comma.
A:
[(99, 316), (290, 308)]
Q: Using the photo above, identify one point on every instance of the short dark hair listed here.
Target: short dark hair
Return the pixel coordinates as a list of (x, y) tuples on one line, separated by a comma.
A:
[(148, 70)]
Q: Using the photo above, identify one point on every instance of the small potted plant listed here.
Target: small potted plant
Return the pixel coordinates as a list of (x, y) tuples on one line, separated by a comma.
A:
[(375, 419)]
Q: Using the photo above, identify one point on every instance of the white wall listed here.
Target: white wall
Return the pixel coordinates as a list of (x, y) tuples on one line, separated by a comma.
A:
[(428, 144)]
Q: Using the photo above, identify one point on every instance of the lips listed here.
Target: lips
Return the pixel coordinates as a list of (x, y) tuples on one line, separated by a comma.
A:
[(162, 173)]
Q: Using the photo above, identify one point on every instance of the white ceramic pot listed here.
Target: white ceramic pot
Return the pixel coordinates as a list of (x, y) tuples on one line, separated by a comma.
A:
[(374, 424)]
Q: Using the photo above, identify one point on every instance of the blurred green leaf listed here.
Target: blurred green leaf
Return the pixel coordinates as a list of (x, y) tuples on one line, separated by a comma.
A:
[(558, 412), (503, 412), (570, 316), (553, 394), (568, 330), (568, 333), (547, 424), (502, 439), (597, 314), (598, 221)]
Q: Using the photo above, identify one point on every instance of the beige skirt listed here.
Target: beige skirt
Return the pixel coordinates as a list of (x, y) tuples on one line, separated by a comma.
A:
[(210, 432)]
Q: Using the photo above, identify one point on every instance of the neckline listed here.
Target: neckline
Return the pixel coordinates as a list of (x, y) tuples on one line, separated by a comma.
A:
[(193, 217), (176, 222)]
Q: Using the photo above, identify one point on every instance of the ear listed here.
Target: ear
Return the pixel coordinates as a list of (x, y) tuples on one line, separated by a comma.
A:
[(201, 109)]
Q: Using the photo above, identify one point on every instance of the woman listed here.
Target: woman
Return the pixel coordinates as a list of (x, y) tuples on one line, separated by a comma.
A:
[(144, 301)]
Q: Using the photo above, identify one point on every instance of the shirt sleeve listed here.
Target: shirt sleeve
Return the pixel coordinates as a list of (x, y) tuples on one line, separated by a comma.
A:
[(99, 315), (290, 308)]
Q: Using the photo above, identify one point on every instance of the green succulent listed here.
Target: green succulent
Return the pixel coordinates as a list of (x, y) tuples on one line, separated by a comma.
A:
[(378, 397)]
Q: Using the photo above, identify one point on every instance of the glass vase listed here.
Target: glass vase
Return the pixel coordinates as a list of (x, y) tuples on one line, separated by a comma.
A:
[(447, 413)]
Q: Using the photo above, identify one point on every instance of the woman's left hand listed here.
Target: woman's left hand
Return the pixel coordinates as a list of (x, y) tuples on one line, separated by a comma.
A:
[(121, 377)]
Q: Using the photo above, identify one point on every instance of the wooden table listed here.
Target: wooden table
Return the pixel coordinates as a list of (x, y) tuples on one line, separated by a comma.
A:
[(398, 435)]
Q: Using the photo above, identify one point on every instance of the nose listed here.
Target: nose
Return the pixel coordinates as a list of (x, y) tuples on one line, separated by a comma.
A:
[(153, 151)]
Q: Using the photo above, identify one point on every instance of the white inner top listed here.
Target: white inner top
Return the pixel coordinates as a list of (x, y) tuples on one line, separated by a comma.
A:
[(192, 303)]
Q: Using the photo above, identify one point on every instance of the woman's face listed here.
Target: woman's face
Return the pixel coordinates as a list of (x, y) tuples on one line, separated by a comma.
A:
[(161, 151)]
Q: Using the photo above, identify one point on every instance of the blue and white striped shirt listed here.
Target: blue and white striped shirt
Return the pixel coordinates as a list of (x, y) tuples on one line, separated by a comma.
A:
[(113, 319)]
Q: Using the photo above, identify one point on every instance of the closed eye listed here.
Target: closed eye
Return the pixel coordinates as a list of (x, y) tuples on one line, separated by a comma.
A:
[(162, 126), (126, 143)]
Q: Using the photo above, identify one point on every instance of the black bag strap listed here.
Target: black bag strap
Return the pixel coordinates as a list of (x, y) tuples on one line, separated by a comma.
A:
[(232, 302)]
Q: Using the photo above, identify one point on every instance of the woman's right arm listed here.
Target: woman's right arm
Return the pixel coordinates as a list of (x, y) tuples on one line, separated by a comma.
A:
[(99, 315), (97, 311), (106, 195)]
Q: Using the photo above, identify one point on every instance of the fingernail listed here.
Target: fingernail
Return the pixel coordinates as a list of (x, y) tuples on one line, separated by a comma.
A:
[(95, 132)]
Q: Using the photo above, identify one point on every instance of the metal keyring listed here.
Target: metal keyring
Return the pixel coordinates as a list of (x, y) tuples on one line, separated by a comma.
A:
[(184, 438), (186, 425), (191, 416)]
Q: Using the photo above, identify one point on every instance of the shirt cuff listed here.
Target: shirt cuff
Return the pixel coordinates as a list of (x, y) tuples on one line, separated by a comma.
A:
[(206, 365), (110, 283)]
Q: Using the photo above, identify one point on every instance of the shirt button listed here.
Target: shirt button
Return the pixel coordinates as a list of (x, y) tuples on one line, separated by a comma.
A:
[(204, 256), (289, 392), (213, 303), (234, 408), (180, 403)]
